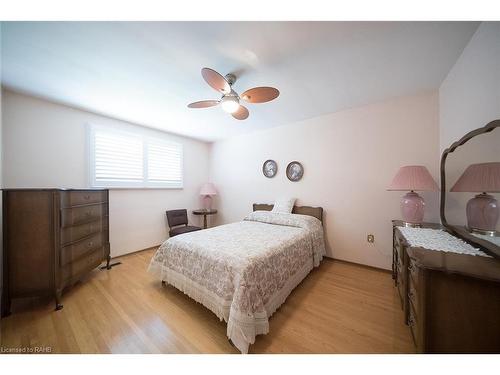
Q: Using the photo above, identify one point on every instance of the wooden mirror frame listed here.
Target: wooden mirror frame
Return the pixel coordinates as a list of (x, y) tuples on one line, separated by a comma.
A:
[(489, 247)]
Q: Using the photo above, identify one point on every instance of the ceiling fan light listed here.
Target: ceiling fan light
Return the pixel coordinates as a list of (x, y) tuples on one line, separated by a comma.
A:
[(230, 104)]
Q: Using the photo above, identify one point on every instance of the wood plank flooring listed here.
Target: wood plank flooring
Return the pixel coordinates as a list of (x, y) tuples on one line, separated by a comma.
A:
[(338, 308)]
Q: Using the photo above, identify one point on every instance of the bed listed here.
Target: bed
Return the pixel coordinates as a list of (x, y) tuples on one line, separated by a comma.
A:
[(244, 271)]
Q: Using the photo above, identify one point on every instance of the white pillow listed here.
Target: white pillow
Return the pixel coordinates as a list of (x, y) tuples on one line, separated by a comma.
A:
[(283, 205)]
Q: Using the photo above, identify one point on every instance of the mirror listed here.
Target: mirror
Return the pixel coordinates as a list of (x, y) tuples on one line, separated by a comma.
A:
[(470, 187)]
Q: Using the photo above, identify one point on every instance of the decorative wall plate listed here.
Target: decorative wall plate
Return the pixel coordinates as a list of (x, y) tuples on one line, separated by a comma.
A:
[(269, 168), (294, 171)]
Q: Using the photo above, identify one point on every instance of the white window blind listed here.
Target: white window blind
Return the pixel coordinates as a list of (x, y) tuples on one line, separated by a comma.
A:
[(161, 154), (133, 158), (118, 157)]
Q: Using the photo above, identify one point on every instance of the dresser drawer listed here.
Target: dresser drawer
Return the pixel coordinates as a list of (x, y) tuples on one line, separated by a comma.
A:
[(83, 265), (78, 249), (76, 233), (81, 215), (78, 198)]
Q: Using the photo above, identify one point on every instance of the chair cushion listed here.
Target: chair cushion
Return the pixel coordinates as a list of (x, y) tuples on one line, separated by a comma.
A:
[(181, 230)]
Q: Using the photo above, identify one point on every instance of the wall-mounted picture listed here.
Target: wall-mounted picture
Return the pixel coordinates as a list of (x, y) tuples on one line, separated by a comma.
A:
[(269, 168), (294, 171)]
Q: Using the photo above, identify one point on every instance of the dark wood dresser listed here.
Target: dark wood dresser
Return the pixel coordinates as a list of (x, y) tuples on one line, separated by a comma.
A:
[(52, 237), (451, 300)]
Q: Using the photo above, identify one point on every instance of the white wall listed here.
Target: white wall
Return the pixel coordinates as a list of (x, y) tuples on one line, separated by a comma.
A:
[(349, 158), (45, 146), (469, 97)]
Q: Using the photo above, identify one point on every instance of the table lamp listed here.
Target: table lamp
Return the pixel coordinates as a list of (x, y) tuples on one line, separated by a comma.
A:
[(412, 178), (482, 210), (207, 190)]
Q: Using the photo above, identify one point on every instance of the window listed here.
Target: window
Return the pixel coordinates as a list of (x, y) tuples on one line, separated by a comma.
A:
[(133, 157)]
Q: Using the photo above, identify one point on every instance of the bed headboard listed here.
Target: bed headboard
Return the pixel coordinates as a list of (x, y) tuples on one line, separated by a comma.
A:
[(316, 212)]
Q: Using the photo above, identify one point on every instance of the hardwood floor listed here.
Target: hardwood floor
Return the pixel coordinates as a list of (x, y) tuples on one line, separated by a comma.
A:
[(338, 308)]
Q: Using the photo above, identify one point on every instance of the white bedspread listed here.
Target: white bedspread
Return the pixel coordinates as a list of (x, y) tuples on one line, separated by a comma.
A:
[(243, 271)]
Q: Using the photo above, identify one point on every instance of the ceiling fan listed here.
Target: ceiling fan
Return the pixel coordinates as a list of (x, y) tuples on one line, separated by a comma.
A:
[(230, 101)]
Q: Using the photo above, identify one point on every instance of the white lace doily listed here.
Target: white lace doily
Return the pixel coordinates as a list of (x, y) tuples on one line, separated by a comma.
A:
[(439, 240)]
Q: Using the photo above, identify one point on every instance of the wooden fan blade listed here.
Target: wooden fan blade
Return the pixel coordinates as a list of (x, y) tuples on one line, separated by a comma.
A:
[(241, 113), (203, 104), (260, 94), (215, 80)]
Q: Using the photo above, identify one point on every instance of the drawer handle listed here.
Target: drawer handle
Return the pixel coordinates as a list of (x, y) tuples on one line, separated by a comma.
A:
[(90, 244)]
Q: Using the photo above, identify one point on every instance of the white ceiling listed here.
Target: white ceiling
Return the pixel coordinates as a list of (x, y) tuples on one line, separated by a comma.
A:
[(147, 72)]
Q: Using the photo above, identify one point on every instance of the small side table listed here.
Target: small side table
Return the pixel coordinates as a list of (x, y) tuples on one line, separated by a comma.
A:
[(205, 212)]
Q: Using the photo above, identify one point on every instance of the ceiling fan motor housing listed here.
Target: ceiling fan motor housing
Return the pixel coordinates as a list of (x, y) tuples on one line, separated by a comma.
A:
[(230, 78)]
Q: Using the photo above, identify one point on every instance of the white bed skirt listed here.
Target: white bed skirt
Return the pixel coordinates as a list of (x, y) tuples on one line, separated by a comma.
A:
[(241, 328)]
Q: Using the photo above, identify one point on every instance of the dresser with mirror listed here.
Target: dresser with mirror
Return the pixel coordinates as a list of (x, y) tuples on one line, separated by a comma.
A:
[(448, 274)]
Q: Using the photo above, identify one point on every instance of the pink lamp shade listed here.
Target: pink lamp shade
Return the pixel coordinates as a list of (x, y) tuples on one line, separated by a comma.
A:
[(207, 190), (411, 178), (483, 210), (479, 178)]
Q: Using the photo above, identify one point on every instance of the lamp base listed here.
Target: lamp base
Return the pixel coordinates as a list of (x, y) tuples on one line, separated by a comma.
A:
[(207, 202), (482, 213), (412, 209), (490, 233), (412, 225)]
